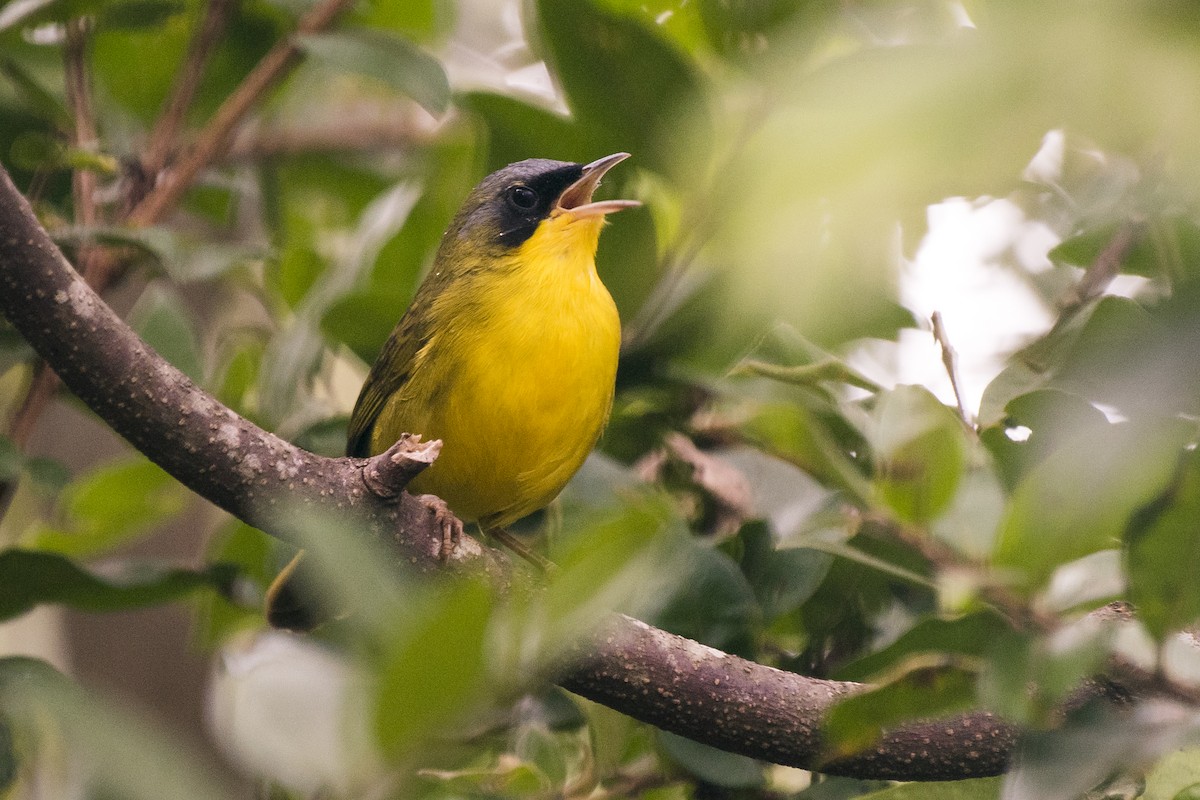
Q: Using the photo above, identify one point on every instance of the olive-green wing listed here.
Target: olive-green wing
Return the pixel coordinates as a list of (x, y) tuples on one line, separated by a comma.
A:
[(388, 375)]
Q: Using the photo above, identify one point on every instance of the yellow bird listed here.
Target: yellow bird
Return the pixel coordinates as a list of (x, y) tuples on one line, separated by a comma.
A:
[(508, 352)]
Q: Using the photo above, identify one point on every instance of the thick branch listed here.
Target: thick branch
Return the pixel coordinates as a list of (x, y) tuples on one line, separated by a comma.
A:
[(672, 682)]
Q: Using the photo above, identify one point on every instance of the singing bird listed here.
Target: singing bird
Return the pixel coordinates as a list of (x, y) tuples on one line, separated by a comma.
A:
[(507, 353)]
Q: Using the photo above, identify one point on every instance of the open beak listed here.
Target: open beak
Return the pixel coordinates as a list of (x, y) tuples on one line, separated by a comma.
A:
[(577, 198)]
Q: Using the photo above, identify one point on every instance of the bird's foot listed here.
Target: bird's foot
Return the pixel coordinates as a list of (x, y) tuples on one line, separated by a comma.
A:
[(451, 527)]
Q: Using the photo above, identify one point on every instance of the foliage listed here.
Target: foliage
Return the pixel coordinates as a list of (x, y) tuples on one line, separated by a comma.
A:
[(787, 153)]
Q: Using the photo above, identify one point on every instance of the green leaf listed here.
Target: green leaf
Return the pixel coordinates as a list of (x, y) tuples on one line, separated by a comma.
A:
[(29, 578), (254, 555), (1169, 250), (798, 436), (363, 320), (603, 60), (920, 451), (10, 762), (1050, 415), (712, 765), (1081, 497), (45, 104), (113, 505), (162, 320), (975, 789), (416, 19), (971, 635), (517, 130), (782, 579), (714, 603), (435, 668), (393, 60), (1175, 777), (924, 692), (134, 14), (1162, 553)]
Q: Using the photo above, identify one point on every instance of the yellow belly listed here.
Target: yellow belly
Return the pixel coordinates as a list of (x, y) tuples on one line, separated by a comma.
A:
[(518, 393)]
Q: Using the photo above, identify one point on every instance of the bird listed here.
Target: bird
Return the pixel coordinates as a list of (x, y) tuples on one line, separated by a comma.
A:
[(507, 354)]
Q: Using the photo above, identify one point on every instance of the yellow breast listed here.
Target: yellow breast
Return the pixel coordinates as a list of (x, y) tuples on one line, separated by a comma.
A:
[(516, 377)]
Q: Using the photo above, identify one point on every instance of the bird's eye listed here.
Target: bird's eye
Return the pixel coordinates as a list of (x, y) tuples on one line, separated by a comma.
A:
[(522, 197)]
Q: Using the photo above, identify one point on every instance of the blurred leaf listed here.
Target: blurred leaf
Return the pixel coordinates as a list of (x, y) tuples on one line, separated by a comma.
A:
[(47, 472), (114, 752), (325, 437), (517, 130), (831, 371), (393, 60), (140, 86), (797, 436), (11, 459), (681, 23), (35, 95), (710, 764), (434, 669), (35, 150), (1050, 415), (626, 260), (782, 578), (138, 13), (1162, 549), (507, 779), (1096, 742), (221, 614), (10, 761), (162, 320), (1027, 679), (920, 450), (926, 691), (1176, 777), (975, 789), (970, 635), (603, 59), (1080, 498), (363, 320), (628, 559), (30, 578), (13, 348), (742, 31), (1169, 250), (713, 603), (112, 505), (416, 19)]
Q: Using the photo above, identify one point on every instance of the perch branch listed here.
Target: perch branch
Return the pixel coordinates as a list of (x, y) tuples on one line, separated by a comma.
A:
[(667, 680)]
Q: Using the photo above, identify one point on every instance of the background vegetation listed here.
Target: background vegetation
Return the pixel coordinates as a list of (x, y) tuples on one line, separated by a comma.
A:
[(765, 486)]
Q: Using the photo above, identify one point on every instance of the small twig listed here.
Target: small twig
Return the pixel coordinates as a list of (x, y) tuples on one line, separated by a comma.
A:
[(83, 137), (950, 362), (215, 138), (1105, 268), (163, 139)]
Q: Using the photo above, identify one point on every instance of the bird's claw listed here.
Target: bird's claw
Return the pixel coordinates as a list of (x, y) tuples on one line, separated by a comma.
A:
[(451, 527)]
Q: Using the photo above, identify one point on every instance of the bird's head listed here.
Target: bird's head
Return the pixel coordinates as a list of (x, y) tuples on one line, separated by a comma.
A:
[(537, 196)]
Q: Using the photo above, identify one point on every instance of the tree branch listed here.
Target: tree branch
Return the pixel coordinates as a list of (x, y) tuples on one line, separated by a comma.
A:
[(667, 680)]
